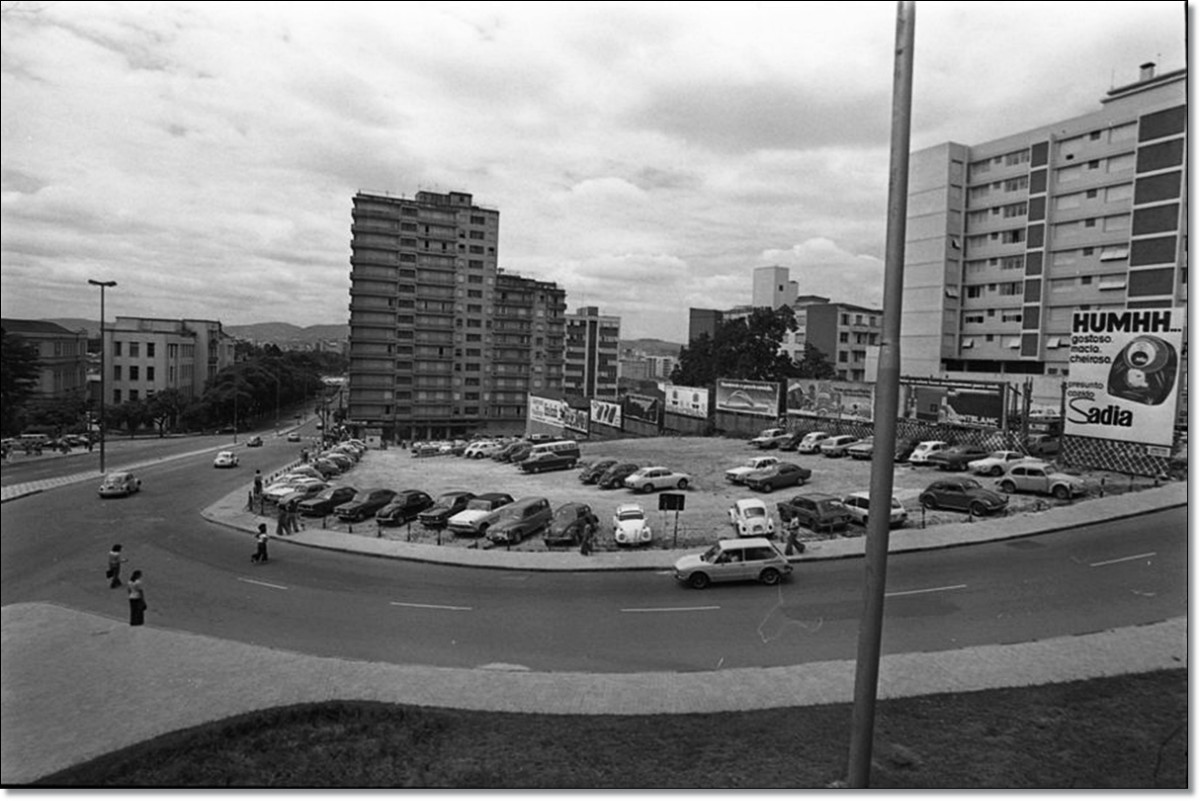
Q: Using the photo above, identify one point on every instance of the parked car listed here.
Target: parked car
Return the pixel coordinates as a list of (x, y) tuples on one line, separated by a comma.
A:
[(963, 495), (120, 484), (483, 449), (506, 452), (473, 520), (777, 476), (815, 512), (812, 441), (286, 485), (364, 504), (863, 449), (225, 459), (340, 458), (303, 489), (592, 473), (570, 524), (519, 453), (325, 501), (1041, 477), (904, 448), (835, 447), (793, 440), (1042, 445), (305, 470), (615, 476), (404, 507), (518, 520), (956, 457), (858, 504), (995, 463), (446, 506), (751, 559), (770, 438), (551, 456), (254, 442), (921, 453), (650, 479), (327, 468), (735, 475), (751, 518), (630, 526)]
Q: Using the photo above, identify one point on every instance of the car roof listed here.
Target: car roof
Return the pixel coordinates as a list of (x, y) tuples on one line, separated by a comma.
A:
[(630, 507), (755, 502), (745, 542)]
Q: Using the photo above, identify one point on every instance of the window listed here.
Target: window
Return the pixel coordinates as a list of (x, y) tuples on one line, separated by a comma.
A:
[(1114, 252), (477, 235), (149, 350), (116, 347), (134, 350), (133, 395), (116, 372), (968, 319), (150, 373), (1117, 222), (1010, 288), (116, 396), (1012, 263), (1013, 237), (1010, 317)]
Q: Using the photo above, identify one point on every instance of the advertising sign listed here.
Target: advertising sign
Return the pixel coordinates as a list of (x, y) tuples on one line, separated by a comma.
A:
[(642, 407), (842, 399), (546, 410), (575, 419), (687, 401), (748, 397), (935, 401), (608, 414), (1124, 381)]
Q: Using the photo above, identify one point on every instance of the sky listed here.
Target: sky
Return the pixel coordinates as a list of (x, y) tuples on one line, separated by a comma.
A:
[(645, 156)]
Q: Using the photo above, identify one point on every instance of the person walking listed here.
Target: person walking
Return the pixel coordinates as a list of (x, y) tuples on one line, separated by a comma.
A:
[(793, 531), (282, 520), (260, 555), (115, 558), (137, 599), (294, 524), (258, 483)]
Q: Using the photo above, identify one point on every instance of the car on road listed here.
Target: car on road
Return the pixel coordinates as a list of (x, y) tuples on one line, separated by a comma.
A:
[(614, 477), (225, 459), (473, 520), (120, 484), (651, 479), (863, 449), (750, 559), (963, 495), (770, 438), (630, 526), (1043, 478), (520, 519), (812, 441), (815, 511), (734, 475), (751, 518), (364, 504), (858, 504), (592, 472), (835, 447), (404, 507), (325, 501), (293, 436), (926, 448), (254, 442), (956, 457), (777, 476), (995, 463), (446, 506), (570, 524)]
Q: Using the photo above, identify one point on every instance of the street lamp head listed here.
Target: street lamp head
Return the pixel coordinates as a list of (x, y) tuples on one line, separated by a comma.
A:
[(94, 282)]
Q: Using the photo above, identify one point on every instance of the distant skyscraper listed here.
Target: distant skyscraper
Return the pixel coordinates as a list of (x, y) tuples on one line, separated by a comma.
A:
[(593, 351)]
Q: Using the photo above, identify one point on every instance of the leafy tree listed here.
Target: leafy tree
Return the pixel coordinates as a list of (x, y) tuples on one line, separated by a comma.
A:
[(814, 364), (19, 372), (60, 414), (165, 407), (746, 348)]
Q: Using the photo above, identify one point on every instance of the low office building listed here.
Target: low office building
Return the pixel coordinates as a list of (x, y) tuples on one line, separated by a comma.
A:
[(146, 355), (62, 356)]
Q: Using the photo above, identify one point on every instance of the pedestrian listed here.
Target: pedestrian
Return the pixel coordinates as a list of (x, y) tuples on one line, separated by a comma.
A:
[(115, 558), (793, 531), (585, 542), (137, 599), (294, 524), (260, 554), (258, 483), (282, 520)]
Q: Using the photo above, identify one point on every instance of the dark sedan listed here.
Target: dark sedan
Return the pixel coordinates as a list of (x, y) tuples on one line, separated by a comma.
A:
[(614, 477), (404, 507), (963, 495), (783, 474), (571, 522), (956, 457), (447, 505), (593, 472), (365, 504), (326, 501)]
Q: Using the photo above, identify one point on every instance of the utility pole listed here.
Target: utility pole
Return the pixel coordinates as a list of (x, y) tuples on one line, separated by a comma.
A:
[(103, 366), (887, 402)]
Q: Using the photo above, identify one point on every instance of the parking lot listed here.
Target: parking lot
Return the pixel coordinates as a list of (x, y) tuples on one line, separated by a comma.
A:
[(707, 499)]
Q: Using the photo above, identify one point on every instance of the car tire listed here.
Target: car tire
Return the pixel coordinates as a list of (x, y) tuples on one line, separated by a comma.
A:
[(770, 577), (929, 502), (683, 483), (768, 487), (1062, 493), (1008, 486), (647, 488), (698, 581), (996, 470)]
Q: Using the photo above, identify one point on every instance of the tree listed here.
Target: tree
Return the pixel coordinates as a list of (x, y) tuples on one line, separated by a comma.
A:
[(19, 372), (814, 364), (747, 348), (166, 407)]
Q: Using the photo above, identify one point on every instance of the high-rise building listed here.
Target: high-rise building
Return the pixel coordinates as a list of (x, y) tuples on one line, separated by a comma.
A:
[(145, 355), (1005, 239), (442, 341), (593, 352)]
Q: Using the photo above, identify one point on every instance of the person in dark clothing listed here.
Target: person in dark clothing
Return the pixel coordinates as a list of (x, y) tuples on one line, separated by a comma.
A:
[(260, 555), (114, 567), (258, 483), (137, 599)]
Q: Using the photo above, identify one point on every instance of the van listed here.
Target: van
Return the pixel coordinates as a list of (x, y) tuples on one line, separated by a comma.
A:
[(544, 456)]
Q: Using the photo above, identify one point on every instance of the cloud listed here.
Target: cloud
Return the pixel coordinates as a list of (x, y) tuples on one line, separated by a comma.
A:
[(821, 267)]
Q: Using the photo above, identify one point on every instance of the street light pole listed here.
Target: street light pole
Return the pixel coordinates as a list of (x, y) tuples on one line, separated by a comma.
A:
[(103, 366)]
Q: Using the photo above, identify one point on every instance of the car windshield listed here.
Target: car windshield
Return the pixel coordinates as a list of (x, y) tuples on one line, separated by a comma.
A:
[(754, 511), (630, 514), (481, 504), (711, 553), (970, 483)]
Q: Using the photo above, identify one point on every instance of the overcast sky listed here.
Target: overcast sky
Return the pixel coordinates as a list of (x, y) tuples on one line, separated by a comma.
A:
[(646, 156)]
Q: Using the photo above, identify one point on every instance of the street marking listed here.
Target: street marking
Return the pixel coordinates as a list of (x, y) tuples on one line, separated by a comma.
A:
[(674, 609), (931, 589), (1124, 559), (433, 606), (263, 584)]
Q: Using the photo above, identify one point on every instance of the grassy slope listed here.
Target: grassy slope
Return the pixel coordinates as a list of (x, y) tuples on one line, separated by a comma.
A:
[(1125, 732)]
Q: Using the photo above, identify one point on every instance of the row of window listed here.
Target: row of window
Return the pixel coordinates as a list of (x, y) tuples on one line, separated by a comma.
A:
[(133, 349), (1004, 288), (134, 373), (980, 316)]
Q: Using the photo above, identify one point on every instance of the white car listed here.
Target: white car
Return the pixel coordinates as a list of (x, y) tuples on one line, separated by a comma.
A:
[(736, 475), (924, 450), (226, 459), (649, 479), (995, 463), (285, 488), (835, 447), (118, 485), (812, 441), (482, 450), (630, 526), (770, 438), (857, 503), (751, 518)]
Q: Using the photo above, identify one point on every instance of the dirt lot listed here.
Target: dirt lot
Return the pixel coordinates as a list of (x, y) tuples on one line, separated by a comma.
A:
[(705, 517)]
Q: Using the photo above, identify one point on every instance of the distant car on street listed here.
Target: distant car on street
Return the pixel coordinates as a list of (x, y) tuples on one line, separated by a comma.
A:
[(293, 437), (254, 442), (120, 484), (225, 459)]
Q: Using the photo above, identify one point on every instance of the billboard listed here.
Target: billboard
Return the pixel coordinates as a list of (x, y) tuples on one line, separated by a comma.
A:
[(546, 410), (948, 401), (748, 397), (575, 419), (641, 407), (608, 414), (1124, 374), (687, 401), (842, 399)]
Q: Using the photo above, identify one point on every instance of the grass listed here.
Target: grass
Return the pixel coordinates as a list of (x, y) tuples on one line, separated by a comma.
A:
[(1123, 732)]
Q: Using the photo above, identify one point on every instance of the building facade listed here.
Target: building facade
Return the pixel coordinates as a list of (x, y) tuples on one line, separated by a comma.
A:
[(63, 358), (146, 355), (592, 354), (442, 341), (1005, 239), (845, 333), (773, 287)]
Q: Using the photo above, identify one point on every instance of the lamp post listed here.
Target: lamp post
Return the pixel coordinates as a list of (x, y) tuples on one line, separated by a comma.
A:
[(103, 366)]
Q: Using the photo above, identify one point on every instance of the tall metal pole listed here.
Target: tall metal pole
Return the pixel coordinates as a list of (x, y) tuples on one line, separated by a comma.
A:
[(103, 367), (887, 404)]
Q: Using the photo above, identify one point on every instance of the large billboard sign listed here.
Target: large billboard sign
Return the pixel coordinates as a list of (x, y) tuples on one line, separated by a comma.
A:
[(546, 410), (1124, 377), (641, 407), (748, 397), (949, 401), (687, 401), (839, 399), (605, 413), (575, 419)]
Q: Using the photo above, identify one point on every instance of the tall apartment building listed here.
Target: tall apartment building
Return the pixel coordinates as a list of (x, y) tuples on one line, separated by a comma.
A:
[(593, 353), (145, 355), (442, 341), (1007, 238), (62, 357), (845, 333)]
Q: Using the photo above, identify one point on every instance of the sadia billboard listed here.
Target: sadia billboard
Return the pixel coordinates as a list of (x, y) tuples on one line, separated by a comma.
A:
[(1124, 382), (748, 397), (687, 401)]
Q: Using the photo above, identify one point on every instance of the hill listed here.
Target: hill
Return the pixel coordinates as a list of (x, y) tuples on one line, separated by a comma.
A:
[(286, 333), (653, 347)]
